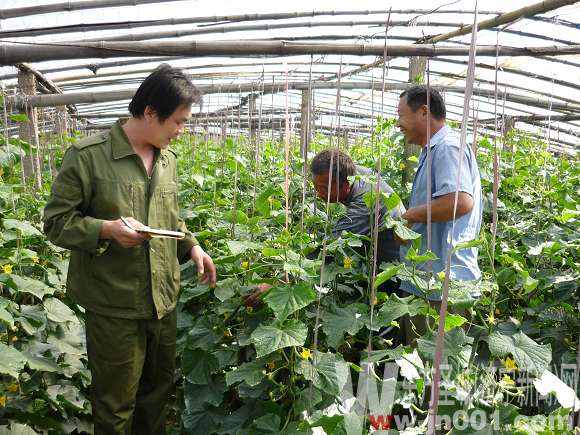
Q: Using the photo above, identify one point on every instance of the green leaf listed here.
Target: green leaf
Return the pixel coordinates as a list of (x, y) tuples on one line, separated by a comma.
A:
[(225, 288), (270, 338), (413, 159), (413, 256), (391, 201), (12, 361), (288, 299), (205, 333), (369, 199), (251, 373), (529, 355), (5, 316), (238, 247), (329, 374), (198, 366), (58, 311), (387, 274), (263, 201), (453, 321), (42, 364), (568, 214), (467, 244), (26, 229), (241, 217), (336, 321), (330, 424), (69, 394), (19, 117), (395, 307), (266, 424), (270, 252), (529, 284), (455, 343), (195, 396), (32, 286), (404, 232)]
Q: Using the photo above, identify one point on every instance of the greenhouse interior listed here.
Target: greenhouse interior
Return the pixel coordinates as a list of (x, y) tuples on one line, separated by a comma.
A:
[(211, 224)]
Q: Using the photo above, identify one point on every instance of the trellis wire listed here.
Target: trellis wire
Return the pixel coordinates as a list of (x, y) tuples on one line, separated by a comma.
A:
[(440, 344), (376, 216), (323, 261)]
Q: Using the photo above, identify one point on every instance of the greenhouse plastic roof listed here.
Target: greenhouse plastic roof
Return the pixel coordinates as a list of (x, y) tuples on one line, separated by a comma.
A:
[(541, 92)]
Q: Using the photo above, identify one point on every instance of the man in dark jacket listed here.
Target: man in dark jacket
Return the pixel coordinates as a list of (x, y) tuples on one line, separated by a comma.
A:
[(357, 217)]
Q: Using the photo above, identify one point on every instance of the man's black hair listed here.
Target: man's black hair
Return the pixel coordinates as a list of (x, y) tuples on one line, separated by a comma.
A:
[(165, 90), (342, 164), (417, 97)]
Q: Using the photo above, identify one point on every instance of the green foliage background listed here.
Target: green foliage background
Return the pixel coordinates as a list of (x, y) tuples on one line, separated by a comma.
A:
[(252, 371)]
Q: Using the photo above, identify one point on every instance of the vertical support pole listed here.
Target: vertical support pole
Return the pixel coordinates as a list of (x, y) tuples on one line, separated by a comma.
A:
[(306, 123), (61, 121), (417, 66), (251, 111), (508, 126), (61, 124), (345, 138), (29, 132)]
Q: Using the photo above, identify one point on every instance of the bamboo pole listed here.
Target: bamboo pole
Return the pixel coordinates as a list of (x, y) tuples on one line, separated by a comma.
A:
[(83, 27), (28, 131), (11, 53), (537, 118), (508, 17), (417, 68), (70, 6), (227, 28), (96, 97), (433, 72), (209, 19)]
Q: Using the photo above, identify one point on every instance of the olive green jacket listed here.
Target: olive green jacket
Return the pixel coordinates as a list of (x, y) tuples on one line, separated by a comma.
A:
[(101, 178)]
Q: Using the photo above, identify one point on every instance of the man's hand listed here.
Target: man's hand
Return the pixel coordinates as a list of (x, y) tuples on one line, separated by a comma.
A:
[(205, 267), (256, 297), (122, 234)]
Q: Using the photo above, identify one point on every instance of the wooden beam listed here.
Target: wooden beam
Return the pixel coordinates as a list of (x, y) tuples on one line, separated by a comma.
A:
[(11, 53)]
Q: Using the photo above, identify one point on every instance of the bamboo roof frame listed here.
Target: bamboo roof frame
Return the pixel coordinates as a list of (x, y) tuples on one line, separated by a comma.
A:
[(506, 18), (94, 97), (11, 53), (555, 103)]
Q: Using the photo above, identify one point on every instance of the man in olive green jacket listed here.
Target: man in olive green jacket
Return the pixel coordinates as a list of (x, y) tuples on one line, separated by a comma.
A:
[(126, 281)]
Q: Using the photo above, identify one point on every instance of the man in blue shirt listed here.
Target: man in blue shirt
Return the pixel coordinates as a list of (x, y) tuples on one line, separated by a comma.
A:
[(445, 156)]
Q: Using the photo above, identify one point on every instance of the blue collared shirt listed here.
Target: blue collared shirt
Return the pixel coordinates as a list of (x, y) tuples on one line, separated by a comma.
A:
[(444, 166)]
